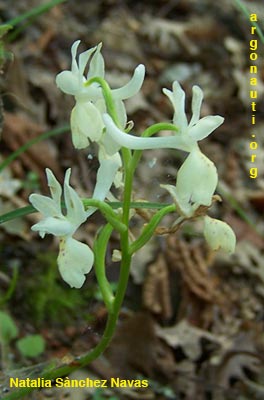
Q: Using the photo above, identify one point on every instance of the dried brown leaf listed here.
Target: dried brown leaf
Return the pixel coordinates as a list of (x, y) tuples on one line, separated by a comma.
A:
[(18, 129), (194, 267), (156, 289)]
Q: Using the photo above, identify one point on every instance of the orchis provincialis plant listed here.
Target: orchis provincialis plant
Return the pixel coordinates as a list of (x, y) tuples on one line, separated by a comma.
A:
[(99, 116), (75, 258)]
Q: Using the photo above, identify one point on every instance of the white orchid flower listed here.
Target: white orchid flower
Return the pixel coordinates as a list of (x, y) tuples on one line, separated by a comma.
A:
[(75, 258), (86, 117), (219, 235), (195, 185), (197, 177), (185, 138)]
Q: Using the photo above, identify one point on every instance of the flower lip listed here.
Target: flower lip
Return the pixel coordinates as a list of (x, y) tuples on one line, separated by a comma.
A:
[(195, 185), (75, 260)]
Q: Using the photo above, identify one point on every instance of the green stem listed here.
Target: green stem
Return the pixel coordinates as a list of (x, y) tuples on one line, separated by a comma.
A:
[(124, 237), (79, 362), (107, 212), (149, 229), (160, 126), (107, 96), (150, 131), (11, 287), (23, 211), (34, 12), (247, 13), (30, 15), (99, 249), (237, 207), (115, 306)]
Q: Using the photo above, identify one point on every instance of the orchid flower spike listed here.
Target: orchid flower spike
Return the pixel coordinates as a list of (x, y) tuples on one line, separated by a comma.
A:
[(86, 117), (187, 135), (75, 258)]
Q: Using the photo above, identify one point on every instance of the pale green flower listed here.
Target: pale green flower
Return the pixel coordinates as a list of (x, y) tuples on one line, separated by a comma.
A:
[(219, 235), (86, 117), (195, 185), (75, 259), (187, 136)]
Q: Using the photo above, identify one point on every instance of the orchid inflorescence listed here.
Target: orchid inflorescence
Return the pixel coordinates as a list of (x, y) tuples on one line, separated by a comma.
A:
[(99, 116)]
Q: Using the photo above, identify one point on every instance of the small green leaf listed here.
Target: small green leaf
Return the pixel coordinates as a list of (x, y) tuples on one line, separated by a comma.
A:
[(8, 329), (4, 29), (31, 345)]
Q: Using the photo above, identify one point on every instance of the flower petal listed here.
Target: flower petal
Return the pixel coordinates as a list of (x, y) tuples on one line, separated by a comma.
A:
[(79, 138), (86, 123), (75, 260), (109, 145), (196, 181), (121, 112), (74, 66), (68, 82), (55, 226), (197, 99), (133, 86), (45, 205), (83, 60), (177, 98), (219, 235), (205, 126), (183, 208), (105, 177), (96, 67), (54, 186), (75, 208)]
